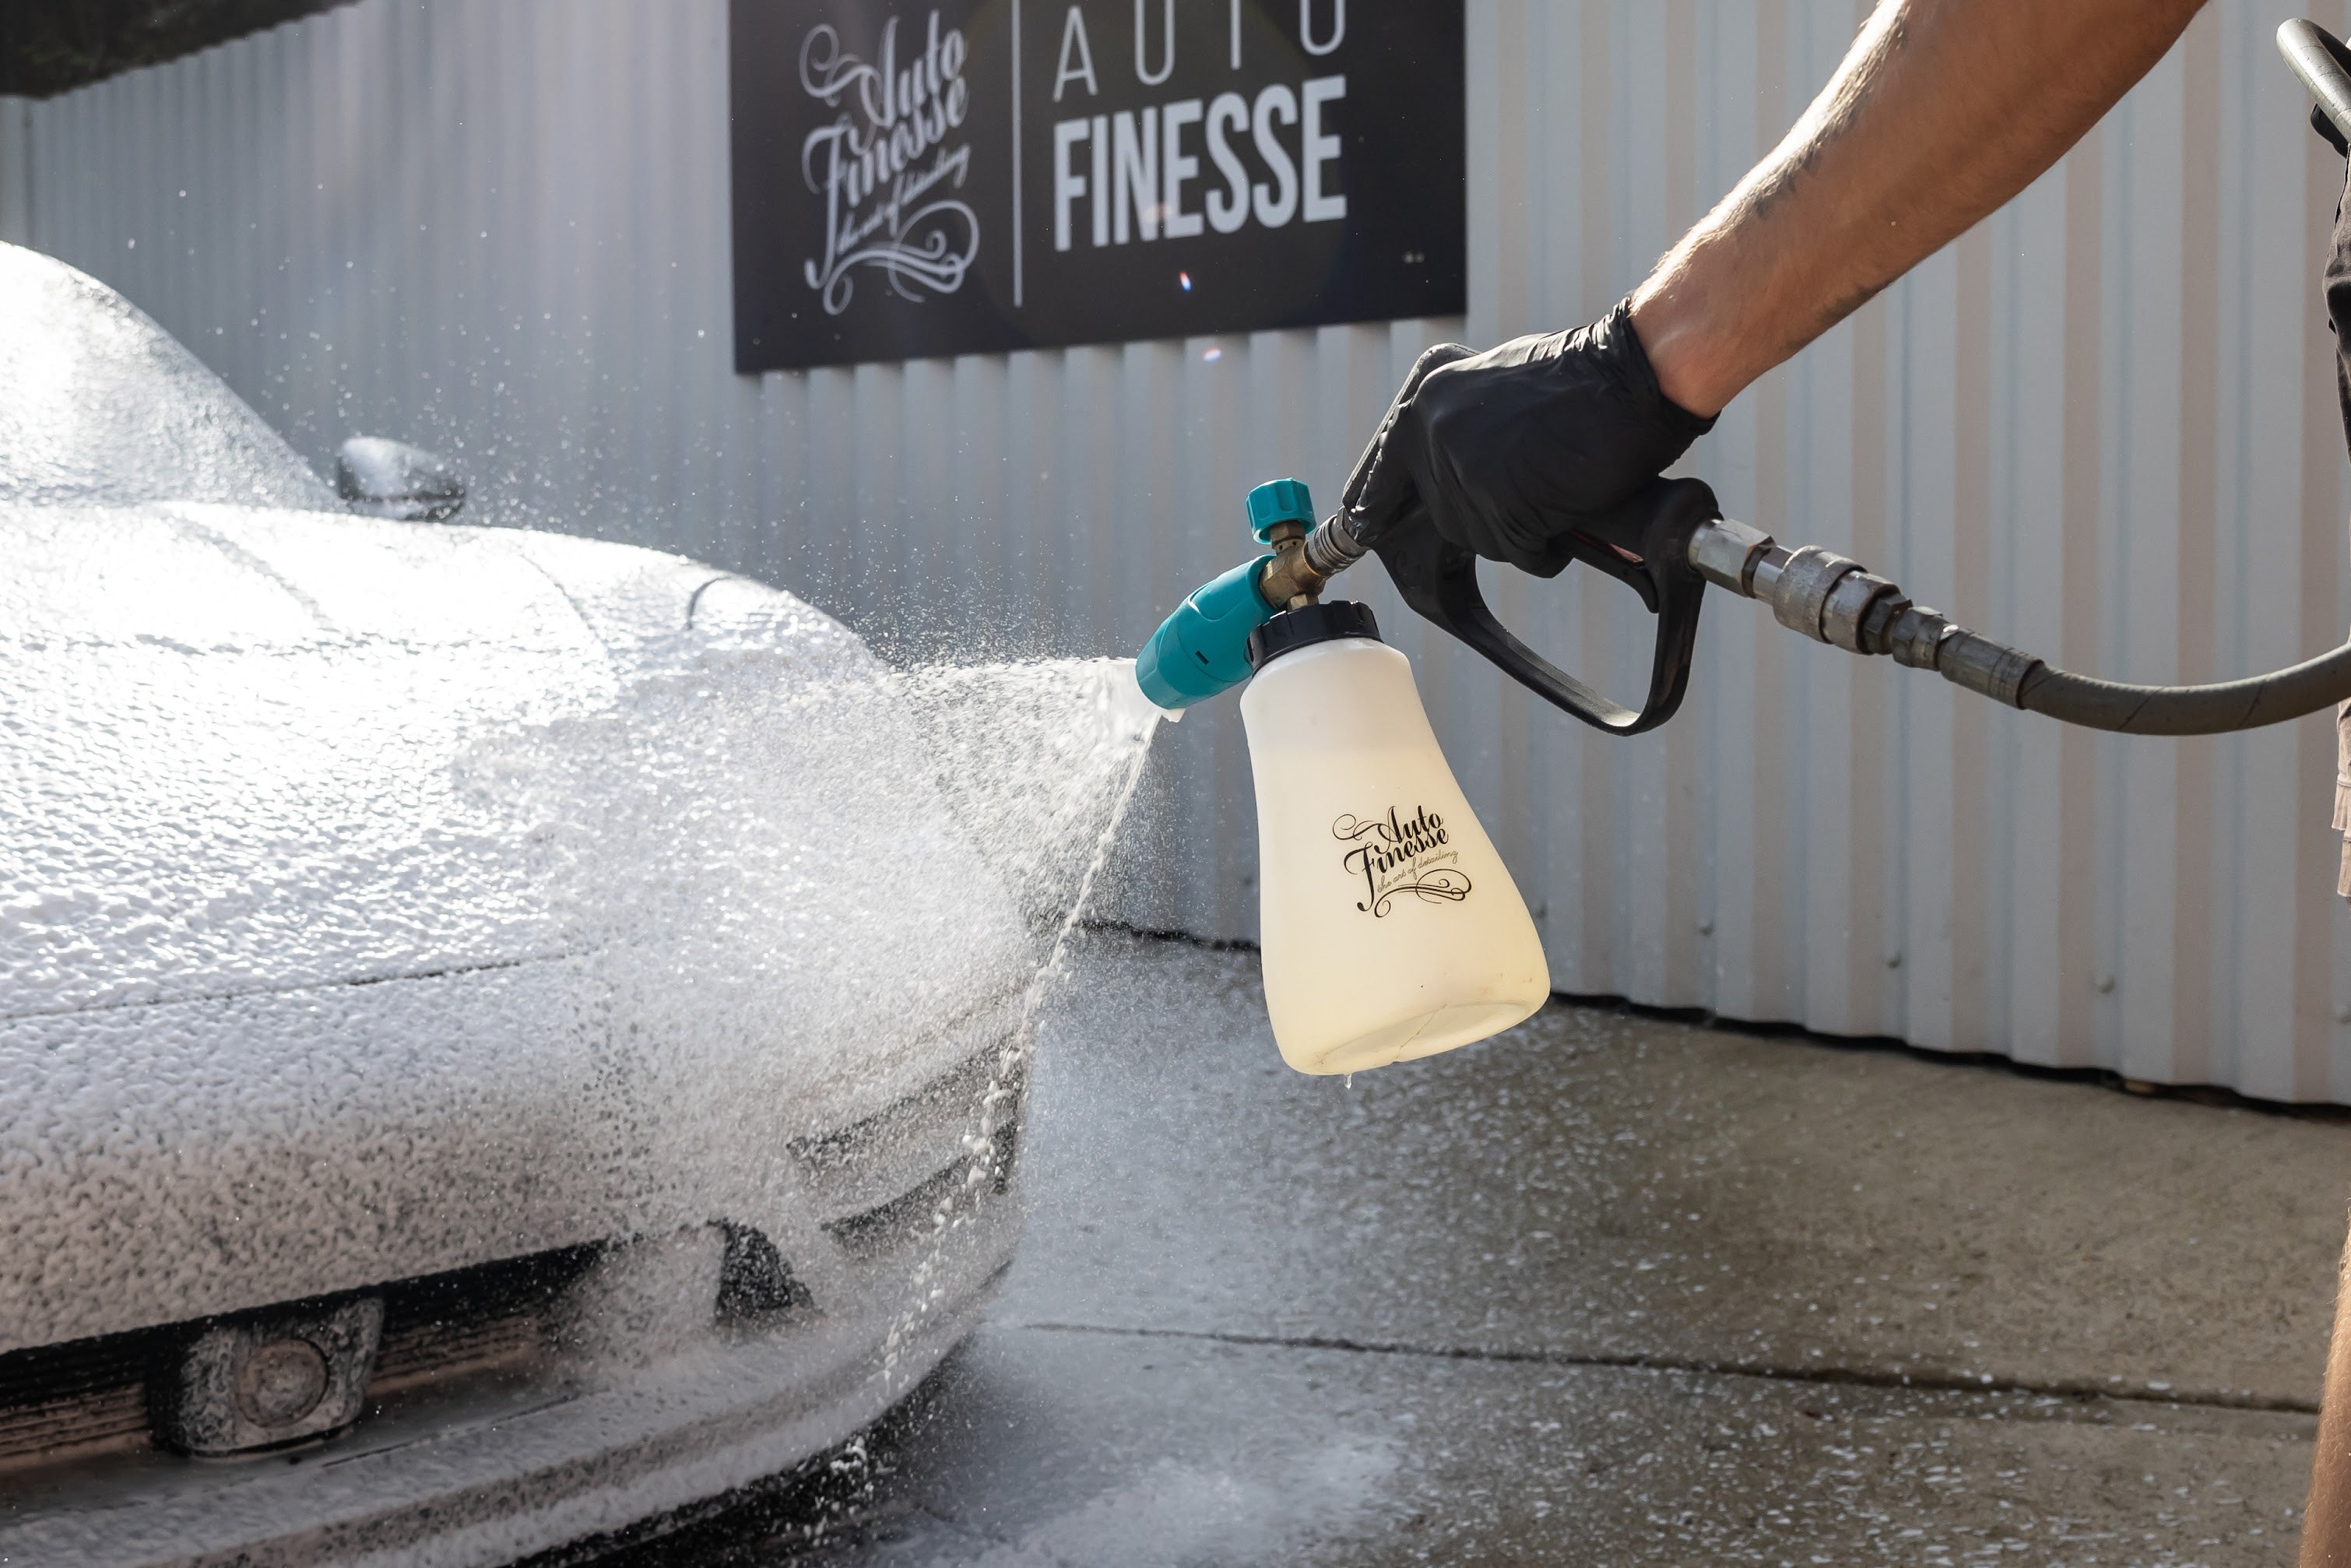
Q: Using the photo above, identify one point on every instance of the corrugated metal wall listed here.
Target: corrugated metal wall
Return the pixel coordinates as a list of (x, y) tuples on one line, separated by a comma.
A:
[(2102, 426)]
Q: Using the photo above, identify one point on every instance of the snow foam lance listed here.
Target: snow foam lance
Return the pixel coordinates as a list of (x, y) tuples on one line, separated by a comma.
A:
[(1390, 927)]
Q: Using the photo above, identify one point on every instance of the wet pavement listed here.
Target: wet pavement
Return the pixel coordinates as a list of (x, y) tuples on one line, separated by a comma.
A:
[(1608, 1290)]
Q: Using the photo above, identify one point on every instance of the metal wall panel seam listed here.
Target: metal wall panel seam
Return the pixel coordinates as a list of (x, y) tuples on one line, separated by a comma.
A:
[(2279, 309), (2188, 896), (1938, 363), (2320, 623), (16, 171)]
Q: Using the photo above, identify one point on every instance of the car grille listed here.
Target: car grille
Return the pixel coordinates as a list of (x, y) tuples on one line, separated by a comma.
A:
[(875, 1184), (89, 1397), (471, 1320)]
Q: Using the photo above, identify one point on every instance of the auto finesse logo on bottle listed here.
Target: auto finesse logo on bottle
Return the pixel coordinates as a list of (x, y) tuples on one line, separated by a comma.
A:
[(884, 167), (1395, 855)]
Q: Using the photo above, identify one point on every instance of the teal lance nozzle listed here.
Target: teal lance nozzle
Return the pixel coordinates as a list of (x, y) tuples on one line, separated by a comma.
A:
[(1203, 648)]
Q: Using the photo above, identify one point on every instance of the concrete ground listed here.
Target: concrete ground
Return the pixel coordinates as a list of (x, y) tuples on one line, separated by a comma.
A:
[(1606, 1290)]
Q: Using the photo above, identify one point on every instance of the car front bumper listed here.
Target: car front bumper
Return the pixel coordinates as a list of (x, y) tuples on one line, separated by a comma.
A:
[(634, 1379)]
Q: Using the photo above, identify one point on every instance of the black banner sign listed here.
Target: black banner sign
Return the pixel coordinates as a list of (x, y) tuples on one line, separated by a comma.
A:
[(914, 178)]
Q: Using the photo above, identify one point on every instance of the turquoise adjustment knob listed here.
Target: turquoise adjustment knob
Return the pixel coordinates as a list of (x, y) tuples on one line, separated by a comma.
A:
[(1283, 501), (1203, 648)]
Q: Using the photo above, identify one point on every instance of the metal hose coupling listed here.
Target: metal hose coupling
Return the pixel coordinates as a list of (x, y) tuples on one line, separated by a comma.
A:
[(1331, 548), (1304, 563), (1831, 599)]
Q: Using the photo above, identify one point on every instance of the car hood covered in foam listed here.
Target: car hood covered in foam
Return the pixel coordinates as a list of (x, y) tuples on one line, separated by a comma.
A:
[(382, 898)]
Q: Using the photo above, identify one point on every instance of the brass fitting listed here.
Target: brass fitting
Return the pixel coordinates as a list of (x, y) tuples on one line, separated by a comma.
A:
[(1288, 580)]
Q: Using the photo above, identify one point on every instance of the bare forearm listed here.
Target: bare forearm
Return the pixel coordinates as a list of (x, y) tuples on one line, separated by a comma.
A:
[(1943, 109)]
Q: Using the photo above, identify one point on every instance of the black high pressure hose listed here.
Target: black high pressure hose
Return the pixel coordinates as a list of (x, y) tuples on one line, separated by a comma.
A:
[(1832, 599)]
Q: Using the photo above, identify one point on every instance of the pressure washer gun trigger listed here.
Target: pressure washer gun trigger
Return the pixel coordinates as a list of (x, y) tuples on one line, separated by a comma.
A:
[(1643, 544)]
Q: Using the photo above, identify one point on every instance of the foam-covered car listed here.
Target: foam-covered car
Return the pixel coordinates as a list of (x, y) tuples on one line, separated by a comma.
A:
[(500, 1033)]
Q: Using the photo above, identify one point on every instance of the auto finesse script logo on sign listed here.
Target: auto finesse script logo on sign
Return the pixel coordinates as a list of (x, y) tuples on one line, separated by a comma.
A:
[(1396, 855), (978, 175), (887, 165)]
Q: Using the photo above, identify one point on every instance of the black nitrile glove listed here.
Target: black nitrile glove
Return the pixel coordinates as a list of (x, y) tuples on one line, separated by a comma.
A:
[(1508, 450)]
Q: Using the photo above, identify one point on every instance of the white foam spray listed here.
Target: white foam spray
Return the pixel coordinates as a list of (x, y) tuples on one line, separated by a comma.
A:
[(1110, 754)]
